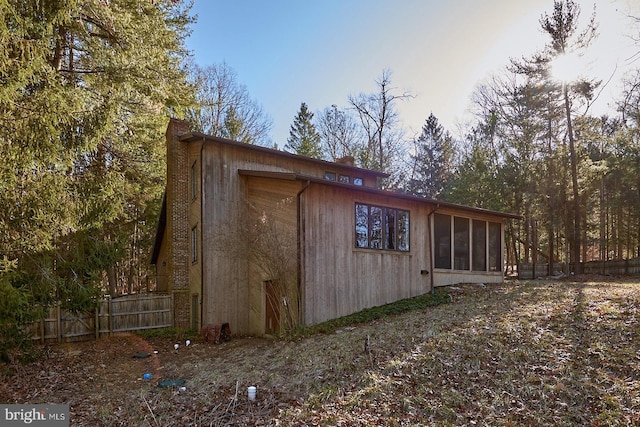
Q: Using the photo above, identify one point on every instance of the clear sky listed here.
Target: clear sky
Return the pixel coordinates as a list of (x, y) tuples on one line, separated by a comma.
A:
[(319, 52)]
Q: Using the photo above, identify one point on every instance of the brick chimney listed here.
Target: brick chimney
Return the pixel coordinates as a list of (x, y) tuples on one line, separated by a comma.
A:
[(346, 160), (178, 222)]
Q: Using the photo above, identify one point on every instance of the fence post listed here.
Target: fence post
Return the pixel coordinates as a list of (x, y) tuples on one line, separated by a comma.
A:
[(42, 329), (97, 322), (58, 324), (110, 316)]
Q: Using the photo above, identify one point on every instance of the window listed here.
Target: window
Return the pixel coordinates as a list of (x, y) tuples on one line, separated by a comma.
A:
[(495, 247), (460, 243), (193, 176), (330, 176), (357, 181), (479, 257), (344, 178), (390, 229), (381, 228), (477, 244), (442, 240), (194, 244)]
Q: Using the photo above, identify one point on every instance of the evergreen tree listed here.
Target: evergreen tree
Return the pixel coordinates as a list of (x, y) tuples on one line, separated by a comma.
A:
[(303, 137), (433, 161), (564, 94), (474, 181), (86, 91)]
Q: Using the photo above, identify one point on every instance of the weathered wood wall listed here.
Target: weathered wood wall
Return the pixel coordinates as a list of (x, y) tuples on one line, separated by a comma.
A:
[(229, 294), (340, 279)]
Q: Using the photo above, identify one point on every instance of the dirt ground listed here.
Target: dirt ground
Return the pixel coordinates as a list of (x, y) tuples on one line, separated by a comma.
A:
[(103, 381), (518, 353)]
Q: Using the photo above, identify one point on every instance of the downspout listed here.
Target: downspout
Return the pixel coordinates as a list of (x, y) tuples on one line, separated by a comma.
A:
[(429, 236), (300, 244)]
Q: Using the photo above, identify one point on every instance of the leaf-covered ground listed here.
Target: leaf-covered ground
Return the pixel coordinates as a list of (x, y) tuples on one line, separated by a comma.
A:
[(521, 353)]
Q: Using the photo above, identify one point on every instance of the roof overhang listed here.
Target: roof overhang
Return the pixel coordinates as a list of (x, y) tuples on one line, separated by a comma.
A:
[(370, 190), (201, 137)]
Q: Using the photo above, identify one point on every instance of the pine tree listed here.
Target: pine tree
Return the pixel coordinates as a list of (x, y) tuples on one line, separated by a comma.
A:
[(303, 137), (87, 88), (433, 160)]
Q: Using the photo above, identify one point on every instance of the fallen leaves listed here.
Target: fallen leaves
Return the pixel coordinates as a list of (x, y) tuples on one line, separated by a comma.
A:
[(520, 353)]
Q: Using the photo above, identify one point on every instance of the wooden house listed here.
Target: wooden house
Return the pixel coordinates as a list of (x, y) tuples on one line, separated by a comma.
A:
[(261, 238)]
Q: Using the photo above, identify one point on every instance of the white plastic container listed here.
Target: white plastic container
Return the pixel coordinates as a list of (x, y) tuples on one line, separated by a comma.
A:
[(251, 392)]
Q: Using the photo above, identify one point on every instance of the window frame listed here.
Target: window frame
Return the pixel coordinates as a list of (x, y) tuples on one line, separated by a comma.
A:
[(450, 237), (442, 241), (193, 176), (495, 250), (194, 244), (478, 245), (372, 229)]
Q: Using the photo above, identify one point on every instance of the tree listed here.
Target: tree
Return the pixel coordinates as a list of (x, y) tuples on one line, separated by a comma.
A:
[(86, 90), (379, 119), (562, 27), (225, 108), (564, 95), (303, 137), (474, 182), (339, 133), (433, 161)]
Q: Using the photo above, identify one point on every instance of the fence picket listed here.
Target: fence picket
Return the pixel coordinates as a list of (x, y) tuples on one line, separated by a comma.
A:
[(122, 314)]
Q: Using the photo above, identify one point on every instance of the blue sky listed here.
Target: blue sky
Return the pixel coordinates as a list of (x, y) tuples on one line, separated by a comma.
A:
[(319, 52)]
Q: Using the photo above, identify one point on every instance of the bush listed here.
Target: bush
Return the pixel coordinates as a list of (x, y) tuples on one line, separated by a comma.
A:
[(439, 296), (16, 309)]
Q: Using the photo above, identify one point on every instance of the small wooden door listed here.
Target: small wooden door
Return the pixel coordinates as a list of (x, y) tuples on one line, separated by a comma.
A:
[(272, 309)]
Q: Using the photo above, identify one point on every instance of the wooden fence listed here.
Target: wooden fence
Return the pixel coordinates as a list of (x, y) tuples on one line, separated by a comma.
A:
[(121, 314), (620, 267)]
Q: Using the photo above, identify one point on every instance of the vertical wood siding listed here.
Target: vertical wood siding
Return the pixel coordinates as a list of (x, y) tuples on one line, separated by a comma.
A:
[(341, 279)]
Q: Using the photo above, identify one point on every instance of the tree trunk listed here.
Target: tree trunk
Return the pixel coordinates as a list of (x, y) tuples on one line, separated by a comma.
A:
[(113, 283), (574, 181)]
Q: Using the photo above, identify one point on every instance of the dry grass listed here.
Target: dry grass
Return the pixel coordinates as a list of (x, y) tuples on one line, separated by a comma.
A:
[(537, 353)]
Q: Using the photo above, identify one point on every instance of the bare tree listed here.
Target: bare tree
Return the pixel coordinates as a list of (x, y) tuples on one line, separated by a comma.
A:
[(270, 247), (225, 107), (379, 118), (340, 134)]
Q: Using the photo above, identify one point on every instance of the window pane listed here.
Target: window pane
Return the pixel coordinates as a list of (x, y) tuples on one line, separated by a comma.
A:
[(390, 229), (403, 231), (495, 247), (442, 240), (375, 215), (330, 176), (460, 243), (479, 245), (194, 244), (362, 226), (194, 181)]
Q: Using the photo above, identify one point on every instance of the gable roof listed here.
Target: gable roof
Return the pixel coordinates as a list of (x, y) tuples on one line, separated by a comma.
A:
[(201, 137)]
